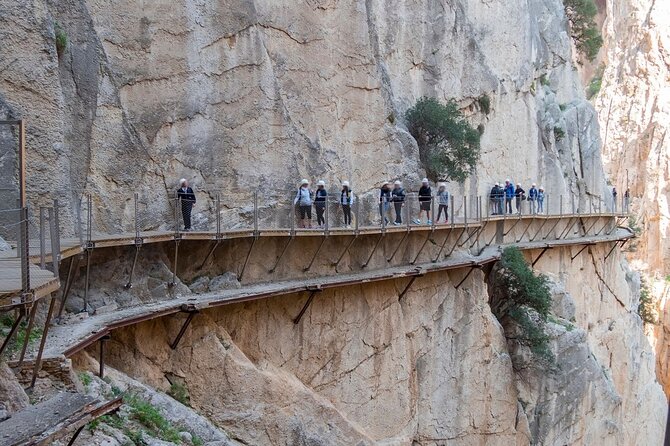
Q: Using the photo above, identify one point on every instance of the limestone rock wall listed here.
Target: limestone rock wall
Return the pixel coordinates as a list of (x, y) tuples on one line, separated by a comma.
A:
[(237, 95), (431, 368), (634, 111)]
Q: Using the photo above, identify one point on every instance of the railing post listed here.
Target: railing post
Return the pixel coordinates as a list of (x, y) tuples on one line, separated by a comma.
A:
[(291, 217), (451, 197), (357, 202), (590, 205), (79, 222), (24, 242), (327, 214), (432, 211), (255, 213), (218, 216), (572, 201), (465, 210), (89, 219), (137, 219), (560, 206), (42, 237), (177, 208), (55, 238)]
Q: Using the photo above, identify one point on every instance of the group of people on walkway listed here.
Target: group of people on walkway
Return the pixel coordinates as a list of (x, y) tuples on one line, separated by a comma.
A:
[(502, 196), (305, 198)]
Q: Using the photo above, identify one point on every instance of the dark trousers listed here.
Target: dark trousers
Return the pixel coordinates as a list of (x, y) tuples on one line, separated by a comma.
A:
[(398, 211), (445, 208), (320, 209), (346, 210), (186, 207)]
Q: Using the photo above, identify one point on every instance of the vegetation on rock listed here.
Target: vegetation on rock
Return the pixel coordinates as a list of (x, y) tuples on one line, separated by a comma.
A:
[(61, 38), (646, 308), (521, 301), (596, 82), (583, 28), (448, 144)]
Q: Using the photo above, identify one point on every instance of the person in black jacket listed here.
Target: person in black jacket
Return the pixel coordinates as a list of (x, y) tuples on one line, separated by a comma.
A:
[(320, 202), (186, 197), (384, 200), (425, 198), (398, 198), (494, 199), (520, 195)]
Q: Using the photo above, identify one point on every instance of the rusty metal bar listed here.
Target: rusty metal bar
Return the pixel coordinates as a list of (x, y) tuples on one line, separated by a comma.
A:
[(323, 240), (187, 322), (510, 229), (24, 242), (470, 234), (101, 361), (532, 220), (297, 319), (55, 238), (351, 242), (579, 252), (546, 248), (29, 329), (76, 435), (444, 243), (570, 228), (22, 162), (586, 230), (381, 236), (606, 225), (422, 246), (43, 243), (176, 261), (15, 326), (472, 268), (544, 222), (611, 250), (246, 260), (558, 220), (38, 360), (89, 253), (407, 287), (66, 287), (129, 284), (211, 251), (456, 243), (281, 255), (398, 246)]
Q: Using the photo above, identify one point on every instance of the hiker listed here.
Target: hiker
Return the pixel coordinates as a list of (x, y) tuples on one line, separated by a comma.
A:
[(532, 198), (520, 196), (493, 199), (443, 202), (614, 194), (186, 197), (303, 200), (346, 200), (626, 200), (540, 200), (425, 197), (320, 198), (501, 199), (398, 198), (509, 194), (384, 199)]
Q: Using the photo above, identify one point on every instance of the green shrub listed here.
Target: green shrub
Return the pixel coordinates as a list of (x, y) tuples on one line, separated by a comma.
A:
[(583, 29), (85, 378), (633, 225), (179, 392), (523, 299), (484, 104), (150, 417), (6, 322), (448, 144), (562, 106), (559, 133), (594, 86), (544, 80), (61, 38), (647, 308)]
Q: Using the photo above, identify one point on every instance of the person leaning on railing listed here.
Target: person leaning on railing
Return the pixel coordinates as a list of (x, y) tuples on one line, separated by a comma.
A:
[(398, 198), (443, 201), (520, 195), (320, 198), (425, 197), (540, 199), (532, 198), (187, 198), (384, 199)]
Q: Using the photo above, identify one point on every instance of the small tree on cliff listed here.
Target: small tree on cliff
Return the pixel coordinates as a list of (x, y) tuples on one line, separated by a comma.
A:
[(521, 301), (448, 144), (583, 29)]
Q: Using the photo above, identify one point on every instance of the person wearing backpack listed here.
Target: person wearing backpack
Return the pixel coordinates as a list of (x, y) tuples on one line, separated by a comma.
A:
[(320, 198), (398, 198), (443, 202), (520, 196), (346, 200), (303, 200), (532, 198), (493, 199)]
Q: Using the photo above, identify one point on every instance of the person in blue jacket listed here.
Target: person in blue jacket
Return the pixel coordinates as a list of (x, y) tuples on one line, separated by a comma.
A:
[(532, 198), (509, 195)]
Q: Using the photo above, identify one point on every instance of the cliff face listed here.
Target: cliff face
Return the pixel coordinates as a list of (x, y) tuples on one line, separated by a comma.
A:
[(431, 367), (634, 110), (236, 95)]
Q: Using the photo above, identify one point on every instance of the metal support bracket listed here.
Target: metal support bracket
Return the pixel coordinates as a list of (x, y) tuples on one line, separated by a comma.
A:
[(604, 226), (45, 333), (129, 284), (297, 319), (510, 229), (211, 251), (351, 242), (318, 250), (395, 251), (586, 230), (470, 234), (12, 331), (381, 236), (281, 255), (546, 248), (472, 268), (29, 329), (177, 239), (544, 222), (611, 250), (246, 260), (101, 361), (580, 251), (558, 220), (192, 311), (456, 242), (68, 285), (408, 286), (532, 220), (422, 246), (89, 253), (444, 243)]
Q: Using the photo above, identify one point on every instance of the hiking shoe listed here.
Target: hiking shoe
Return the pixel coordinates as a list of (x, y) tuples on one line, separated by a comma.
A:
[(429, 222), (416, 221)]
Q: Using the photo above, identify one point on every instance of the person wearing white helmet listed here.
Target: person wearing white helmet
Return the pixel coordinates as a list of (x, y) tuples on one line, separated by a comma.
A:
[(520, 195), (425, 198), (532, 198), (303, 200), (186, 198), (320, 203), (346, 200), (494, 199), (509, 194), (398, 198), (540, 199)]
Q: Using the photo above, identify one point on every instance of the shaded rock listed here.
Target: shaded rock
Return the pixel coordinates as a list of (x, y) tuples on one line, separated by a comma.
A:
[(200, 285), (227, 281)]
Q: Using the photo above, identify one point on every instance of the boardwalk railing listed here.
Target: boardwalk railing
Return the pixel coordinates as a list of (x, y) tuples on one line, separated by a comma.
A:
[(221, 212)]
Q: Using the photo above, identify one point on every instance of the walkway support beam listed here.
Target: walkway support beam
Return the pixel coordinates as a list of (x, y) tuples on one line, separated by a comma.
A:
[(297, 319), (38, 360), (381, 236), (184, 327), (318, 250), (11, 333), (545, 249), (29, 329), (472, 268), (422, 246), (281, 255), (101, 361)]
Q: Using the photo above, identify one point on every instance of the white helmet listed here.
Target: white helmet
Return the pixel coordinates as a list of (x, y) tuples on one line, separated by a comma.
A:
[(321, 183), (182, 181), (304, 181), (442, 185), (345, 184), (534, 185), (397, 182), (507, 180), (425, 180), (542, 187)]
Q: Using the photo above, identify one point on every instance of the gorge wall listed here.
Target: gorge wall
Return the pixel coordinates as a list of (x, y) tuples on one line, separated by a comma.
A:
[(634, 110), (245, 94)]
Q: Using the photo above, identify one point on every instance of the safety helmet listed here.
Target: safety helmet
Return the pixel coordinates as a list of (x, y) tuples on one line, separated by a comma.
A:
[(498, 184), (425, 180), (507, 180), (304, 181), (321, 183), (345, 184), (534, 184), (397, 183)]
